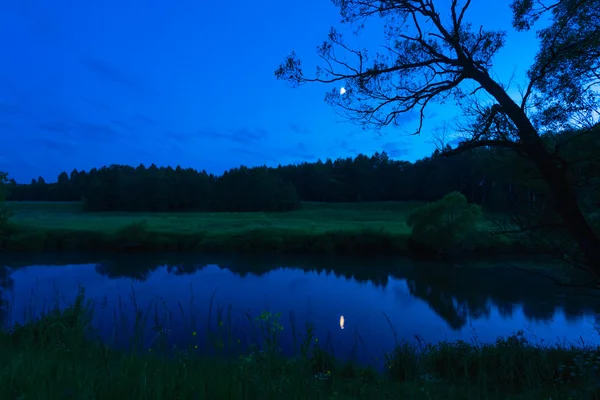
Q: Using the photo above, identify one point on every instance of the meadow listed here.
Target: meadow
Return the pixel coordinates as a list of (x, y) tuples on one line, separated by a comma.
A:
[(58, 355), (317, 228), (313, 217)]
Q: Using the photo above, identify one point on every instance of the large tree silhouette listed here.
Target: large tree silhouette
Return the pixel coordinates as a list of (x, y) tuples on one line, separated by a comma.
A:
[(434, 57)]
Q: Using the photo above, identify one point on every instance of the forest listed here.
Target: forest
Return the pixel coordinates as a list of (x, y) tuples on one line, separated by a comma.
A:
[(495, 178)]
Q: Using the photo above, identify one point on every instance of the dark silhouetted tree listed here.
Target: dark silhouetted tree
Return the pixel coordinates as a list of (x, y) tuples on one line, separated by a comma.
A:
[(436, 56)]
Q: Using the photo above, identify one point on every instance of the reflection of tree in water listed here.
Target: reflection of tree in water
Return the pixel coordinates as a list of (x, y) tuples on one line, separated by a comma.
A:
[(441, 303), (140, 267), (185, 269), (454, 294), (6, 284), (506, 309), (541, 311)]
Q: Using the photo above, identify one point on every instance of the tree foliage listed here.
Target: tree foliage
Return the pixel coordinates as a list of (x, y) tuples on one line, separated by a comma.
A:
[(3, 186), (565, 75), (4, 212), (125, 188), (444, 225)]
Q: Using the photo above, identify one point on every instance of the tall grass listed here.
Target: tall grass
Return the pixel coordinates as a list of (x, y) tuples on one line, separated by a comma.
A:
[(60, 356)]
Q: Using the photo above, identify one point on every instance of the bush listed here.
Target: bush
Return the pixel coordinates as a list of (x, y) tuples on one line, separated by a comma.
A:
[(445, 225)]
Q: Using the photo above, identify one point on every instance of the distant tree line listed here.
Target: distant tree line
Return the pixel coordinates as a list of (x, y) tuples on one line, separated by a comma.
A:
[(496, 178)]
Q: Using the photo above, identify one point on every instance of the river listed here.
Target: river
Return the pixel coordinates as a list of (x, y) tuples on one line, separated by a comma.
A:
[(419, 300)]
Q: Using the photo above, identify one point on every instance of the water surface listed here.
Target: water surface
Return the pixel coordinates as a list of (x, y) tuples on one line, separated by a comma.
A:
[(434, 302)]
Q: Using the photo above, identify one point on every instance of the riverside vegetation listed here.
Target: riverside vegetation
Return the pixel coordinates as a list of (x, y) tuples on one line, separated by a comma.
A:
[(60, 353), (444, 228)]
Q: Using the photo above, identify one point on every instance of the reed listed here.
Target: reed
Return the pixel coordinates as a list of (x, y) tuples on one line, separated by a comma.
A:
[(59, 354)]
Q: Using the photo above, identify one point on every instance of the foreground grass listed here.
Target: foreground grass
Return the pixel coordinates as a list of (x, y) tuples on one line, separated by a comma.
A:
[(57, 356), (354, 228)]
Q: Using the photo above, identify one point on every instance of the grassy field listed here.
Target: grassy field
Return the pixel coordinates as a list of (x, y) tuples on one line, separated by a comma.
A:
[(316, 228), (312, 217), (59, 357)]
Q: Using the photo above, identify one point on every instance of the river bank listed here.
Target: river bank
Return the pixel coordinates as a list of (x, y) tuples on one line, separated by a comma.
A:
[(325, 229), (60, 353)]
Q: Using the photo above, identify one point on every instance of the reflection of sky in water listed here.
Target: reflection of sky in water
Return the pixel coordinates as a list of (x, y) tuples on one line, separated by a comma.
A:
[(321, 298)]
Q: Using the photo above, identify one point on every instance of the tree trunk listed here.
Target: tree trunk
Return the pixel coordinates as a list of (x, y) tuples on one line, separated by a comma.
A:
[(568, 207), (566, 204)]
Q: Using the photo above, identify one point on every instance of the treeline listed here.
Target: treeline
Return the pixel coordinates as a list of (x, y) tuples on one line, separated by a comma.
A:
[(496, 178), (121, 187)]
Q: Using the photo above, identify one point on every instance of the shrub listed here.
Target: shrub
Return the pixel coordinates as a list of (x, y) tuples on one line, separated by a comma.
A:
[(135, 231), (445, 225)]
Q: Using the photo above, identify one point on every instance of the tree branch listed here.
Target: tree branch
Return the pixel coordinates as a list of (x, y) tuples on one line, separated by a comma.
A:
[(468, 145)]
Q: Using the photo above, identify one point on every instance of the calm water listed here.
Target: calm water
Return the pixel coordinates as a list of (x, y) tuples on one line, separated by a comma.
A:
[(434, 302)]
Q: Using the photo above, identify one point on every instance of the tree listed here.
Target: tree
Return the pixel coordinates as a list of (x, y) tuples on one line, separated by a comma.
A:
[(445, 225), (4, 212), (3, 186), (436, 59)]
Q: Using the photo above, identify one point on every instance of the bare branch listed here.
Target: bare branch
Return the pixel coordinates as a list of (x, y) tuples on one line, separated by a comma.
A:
[(464, 146)]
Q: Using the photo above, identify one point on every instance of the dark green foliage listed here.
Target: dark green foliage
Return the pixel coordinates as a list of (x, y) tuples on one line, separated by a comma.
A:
[(56, 326), (254, 189), (445, 225), (155, 189)]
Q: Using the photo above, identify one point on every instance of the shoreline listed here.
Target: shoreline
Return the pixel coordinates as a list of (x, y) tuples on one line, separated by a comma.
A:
[(61, 352), (336, 229), (261, 241)]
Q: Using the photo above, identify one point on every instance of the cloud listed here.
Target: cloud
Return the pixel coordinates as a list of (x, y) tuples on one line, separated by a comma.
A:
[(63, 147), (392, 150), (243, 136), (145, 119), (97, 131), (342, 144), (99, 104), (62, 128), (82, 130), (122, 125), (296, 128), (11, 110), (108, 72), (7, 126), (296, 153), (179, 137), (299, 150), (261, 156)]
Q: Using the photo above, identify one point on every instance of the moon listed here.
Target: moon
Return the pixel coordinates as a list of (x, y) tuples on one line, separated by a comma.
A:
[(342, 90)]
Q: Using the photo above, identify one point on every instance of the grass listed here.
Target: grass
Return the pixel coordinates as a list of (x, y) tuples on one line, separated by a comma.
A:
[(352, 228), (312, 217), (59, 356)]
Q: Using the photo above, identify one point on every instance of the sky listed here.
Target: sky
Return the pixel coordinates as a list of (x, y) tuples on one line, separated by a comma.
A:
[(85, 84)]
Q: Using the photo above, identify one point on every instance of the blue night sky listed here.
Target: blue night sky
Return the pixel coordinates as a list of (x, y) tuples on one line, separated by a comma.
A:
[(90, 83)]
